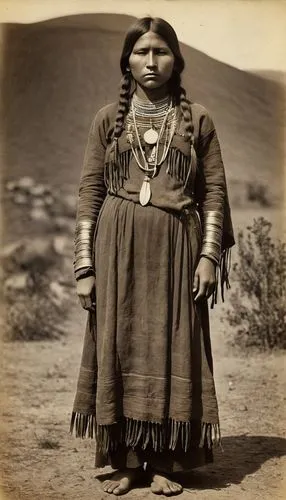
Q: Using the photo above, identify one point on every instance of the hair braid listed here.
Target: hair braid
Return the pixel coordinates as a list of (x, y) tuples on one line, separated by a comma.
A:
[(122, 104), (189, 128), (122, 109), (187, 115)]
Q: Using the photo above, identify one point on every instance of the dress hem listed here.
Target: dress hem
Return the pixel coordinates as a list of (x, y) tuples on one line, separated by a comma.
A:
[(133, 433)]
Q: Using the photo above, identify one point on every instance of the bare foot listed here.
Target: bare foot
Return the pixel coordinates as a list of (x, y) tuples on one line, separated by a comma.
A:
[(121, 481), (162, 485)]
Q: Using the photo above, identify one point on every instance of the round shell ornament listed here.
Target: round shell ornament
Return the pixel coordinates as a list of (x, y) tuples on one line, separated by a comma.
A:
[(151, 136)]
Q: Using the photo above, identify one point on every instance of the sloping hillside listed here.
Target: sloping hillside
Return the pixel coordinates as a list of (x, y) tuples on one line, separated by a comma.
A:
[(58, 73), (276, 76)]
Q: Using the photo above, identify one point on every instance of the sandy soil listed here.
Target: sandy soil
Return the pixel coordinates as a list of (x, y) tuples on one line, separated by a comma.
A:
[(41, 460)]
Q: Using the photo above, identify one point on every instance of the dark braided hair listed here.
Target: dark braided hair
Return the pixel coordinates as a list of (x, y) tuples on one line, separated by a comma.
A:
[(187, 115), (123, 103), (165, 31)]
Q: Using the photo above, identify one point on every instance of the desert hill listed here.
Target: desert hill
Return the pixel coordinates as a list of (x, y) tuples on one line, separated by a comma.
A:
[(276, 76), (59, 72)]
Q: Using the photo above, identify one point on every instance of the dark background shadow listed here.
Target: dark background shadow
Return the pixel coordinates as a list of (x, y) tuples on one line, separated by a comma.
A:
[(241, 456)]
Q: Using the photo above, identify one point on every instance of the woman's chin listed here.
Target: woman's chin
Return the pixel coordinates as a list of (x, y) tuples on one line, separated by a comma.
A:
[(153, 86)]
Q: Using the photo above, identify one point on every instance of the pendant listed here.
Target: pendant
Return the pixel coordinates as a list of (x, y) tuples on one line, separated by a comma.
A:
[(152, 157), (151, 136), (145, 192)]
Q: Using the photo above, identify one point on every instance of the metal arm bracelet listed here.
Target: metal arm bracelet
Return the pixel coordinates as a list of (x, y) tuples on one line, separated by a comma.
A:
[(84, 235), (211, 247)]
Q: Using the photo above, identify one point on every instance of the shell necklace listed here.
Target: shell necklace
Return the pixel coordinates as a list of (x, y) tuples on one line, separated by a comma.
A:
[(152, 138), (156, 110)]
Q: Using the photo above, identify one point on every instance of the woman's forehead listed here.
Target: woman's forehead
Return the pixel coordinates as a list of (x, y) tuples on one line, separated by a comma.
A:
[(150, 39)]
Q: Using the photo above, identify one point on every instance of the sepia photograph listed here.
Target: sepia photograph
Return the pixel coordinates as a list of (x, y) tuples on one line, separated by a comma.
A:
[(143, 249)]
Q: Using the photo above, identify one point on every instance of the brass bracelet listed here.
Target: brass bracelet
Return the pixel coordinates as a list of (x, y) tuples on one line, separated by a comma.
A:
[(84, 272), (211, 247), (84, 234)]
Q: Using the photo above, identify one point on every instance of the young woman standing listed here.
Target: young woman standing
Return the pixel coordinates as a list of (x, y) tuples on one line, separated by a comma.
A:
[(153, 231)]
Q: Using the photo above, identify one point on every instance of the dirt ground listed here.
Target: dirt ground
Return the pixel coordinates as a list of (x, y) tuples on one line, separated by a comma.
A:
[(39, 458)]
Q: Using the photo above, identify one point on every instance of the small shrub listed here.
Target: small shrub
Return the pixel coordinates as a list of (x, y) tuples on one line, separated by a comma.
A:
[(258, 305), (258, 193), (34, 317), (35, 311), (48, 444)]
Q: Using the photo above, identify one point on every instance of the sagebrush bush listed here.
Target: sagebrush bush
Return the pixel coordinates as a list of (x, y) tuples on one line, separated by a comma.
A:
[(258, 305), (34, 317), (259, 193), (34, 312)]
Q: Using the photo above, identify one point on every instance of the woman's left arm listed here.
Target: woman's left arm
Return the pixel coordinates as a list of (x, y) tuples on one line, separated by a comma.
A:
[(92, 191), (212, 199)]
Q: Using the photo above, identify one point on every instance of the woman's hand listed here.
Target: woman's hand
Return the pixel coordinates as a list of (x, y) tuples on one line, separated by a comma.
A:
[(85, 288), (204, 279)]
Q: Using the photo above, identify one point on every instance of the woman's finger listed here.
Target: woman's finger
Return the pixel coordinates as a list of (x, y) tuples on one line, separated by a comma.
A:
[(202, 290), (82, 302), (210, 289), (196, 283), (86, 302)]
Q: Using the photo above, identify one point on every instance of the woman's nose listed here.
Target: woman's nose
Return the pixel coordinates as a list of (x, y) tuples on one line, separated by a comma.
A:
[(151, 61)]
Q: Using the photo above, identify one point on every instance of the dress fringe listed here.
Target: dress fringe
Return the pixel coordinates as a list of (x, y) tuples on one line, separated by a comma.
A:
[(134, 433), (116, 170), (84, 425), (222, 276), (180, 166)]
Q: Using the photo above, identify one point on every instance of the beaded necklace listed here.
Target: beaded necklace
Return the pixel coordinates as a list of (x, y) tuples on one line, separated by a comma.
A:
[(157, 108), (160, 112)]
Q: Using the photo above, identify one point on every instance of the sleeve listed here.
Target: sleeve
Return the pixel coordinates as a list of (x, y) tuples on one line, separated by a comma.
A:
[(92, 192), (212, 188)]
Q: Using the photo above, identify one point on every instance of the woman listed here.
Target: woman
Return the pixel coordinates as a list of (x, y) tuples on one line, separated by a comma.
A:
[(152, 174)]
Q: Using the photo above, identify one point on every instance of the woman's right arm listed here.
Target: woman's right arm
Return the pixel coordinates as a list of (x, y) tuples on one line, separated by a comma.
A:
[(92, 192)]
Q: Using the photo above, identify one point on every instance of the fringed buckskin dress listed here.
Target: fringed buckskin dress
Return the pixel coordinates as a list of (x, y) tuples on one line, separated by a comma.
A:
[(146, 390)]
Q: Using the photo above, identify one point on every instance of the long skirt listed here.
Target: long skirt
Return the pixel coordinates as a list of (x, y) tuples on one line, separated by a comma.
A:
[(146, 388)]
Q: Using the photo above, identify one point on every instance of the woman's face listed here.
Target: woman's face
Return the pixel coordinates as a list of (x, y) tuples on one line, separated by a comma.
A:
[(151, 61)]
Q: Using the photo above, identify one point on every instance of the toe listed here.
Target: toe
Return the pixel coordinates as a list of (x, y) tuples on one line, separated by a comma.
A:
[(156, 488), (105, 485), (120, 489), (176, 487), (115, 486), (167, 490), (112, 486), (117, 491)]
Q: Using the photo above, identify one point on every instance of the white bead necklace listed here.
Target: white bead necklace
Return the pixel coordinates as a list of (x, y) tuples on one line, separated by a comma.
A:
[(152, 138)]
